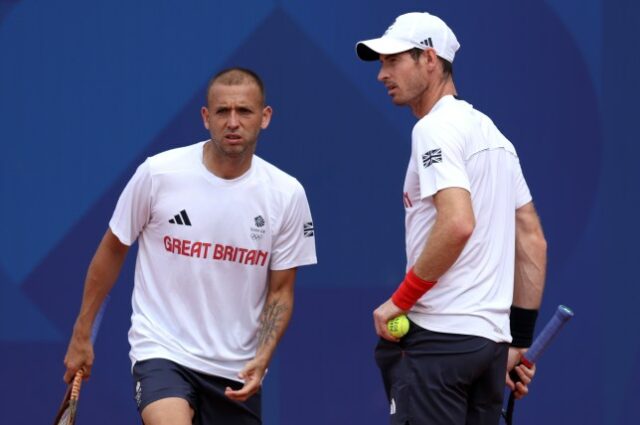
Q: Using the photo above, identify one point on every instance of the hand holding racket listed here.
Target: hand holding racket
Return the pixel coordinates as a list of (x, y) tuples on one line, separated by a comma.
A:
[(550, 331), (67, 412)]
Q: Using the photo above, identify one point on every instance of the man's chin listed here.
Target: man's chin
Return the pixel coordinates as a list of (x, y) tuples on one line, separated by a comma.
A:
[(234, 151), (237, 151)]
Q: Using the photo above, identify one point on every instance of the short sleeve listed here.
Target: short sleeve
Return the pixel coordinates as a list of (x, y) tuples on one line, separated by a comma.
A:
[(438, 152), (294, 244), (132, 211), (523, 195)]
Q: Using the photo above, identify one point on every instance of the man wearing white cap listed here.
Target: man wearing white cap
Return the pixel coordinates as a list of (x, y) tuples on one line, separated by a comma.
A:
[(470, 228)]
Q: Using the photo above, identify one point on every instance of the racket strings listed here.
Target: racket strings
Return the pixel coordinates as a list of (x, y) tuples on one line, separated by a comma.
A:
[(68, 417)]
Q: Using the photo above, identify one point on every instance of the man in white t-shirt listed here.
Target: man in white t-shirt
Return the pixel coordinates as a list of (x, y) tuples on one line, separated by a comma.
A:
[(470, 228), (220, 233)]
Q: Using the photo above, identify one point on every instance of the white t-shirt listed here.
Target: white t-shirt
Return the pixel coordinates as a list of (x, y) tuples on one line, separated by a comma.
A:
[(206, 246), (455, 145)]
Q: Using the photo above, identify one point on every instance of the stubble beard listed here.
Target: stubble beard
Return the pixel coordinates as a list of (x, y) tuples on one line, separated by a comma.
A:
[(238, 152)]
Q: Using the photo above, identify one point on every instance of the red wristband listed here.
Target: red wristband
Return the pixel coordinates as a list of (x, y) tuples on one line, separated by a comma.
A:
[(410, 290)]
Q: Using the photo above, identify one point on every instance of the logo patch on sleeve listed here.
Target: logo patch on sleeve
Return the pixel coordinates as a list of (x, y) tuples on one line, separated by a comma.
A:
[(307, 229), (431, 157)]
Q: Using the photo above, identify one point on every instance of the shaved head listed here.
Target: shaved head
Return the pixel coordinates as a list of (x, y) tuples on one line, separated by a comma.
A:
[(234, 77)]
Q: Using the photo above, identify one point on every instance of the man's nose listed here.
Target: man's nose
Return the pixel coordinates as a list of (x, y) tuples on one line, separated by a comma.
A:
[(382, 74), (233, 122)]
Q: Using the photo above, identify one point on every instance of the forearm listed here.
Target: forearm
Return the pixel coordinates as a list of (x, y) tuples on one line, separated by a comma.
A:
[(275, 315), (101, 275), (440, 252), (529, 275), (530, 260), (452, 229), (442, 249)]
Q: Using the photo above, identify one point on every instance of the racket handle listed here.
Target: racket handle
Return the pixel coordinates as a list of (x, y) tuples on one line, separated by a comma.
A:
[(550, 331), (75, 386)]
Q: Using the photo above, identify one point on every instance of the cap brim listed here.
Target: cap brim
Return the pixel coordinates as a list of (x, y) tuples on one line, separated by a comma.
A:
[(370, 50)]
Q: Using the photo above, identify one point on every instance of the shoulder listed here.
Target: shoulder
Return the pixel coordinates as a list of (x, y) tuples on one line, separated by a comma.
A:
[(276, 179), (446, 114), (175, 159), (447, 123)]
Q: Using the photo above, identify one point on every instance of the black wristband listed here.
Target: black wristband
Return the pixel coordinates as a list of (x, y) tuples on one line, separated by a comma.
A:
[(523, 323)]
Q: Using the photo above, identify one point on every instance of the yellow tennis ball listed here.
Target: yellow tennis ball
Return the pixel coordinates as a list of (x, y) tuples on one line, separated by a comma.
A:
[(398, 326)]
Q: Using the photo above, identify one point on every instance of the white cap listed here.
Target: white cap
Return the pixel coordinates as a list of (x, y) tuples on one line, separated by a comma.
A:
[(411, 30)]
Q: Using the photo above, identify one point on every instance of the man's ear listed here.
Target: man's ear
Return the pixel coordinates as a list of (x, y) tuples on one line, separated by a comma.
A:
[(430, 57), (204, 112), (267, 112)]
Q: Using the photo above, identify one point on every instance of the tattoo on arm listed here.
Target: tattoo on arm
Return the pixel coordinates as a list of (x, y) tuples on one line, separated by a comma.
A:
[(270, 322)]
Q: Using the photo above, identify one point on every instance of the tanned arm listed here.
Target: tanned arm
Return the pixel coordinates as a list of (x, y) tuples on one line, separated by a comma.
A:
[(529, 280), (453, 227), (531, 259), (273, 322), (101, 276)]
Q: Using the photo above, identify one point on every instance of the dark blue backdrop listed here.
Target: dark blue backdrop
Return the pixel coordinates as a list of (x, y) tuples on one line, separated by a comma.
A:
[(89, 89)]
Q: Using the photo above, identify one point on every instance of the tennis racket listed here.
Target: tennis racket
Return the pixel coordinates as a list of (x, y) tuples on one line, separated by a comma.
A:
[(69, 407), (550, 331)]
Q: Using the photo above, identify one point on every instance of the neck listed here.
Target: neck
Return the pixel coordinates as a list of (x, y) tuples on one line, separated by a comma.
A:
[(224, 165), (432, 94)]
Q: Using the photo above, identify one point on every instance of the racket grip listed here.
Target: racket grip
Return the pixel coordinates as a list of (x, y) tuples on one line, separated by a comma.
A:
[(75, 386), (550, 331)]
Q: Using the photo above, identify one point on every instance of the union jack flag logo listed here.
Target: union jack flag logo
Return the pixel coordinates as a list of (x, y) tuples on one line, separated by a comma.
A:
[(431, 157), (307, 229)]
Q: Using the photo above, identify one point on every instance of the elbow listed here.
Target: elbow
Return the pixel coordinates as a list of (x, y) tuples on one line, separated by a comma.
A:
[(465, 229), (461, 228)]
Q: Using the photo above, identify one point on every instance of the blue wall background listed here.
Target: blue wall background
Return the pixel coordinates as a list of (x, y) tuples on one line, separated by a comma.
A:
[(89, 89)]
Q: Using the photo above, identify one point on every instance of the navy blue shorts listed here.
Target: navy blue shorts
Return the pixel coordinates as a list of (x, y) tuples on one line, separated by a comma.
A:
[(155, 379), (434, 378)]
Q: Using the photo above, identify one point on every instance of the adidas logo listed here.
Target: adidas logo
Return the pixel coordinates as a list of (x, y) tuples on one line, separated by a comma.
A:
[(182, 219), (138, 393), (392, 407)]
